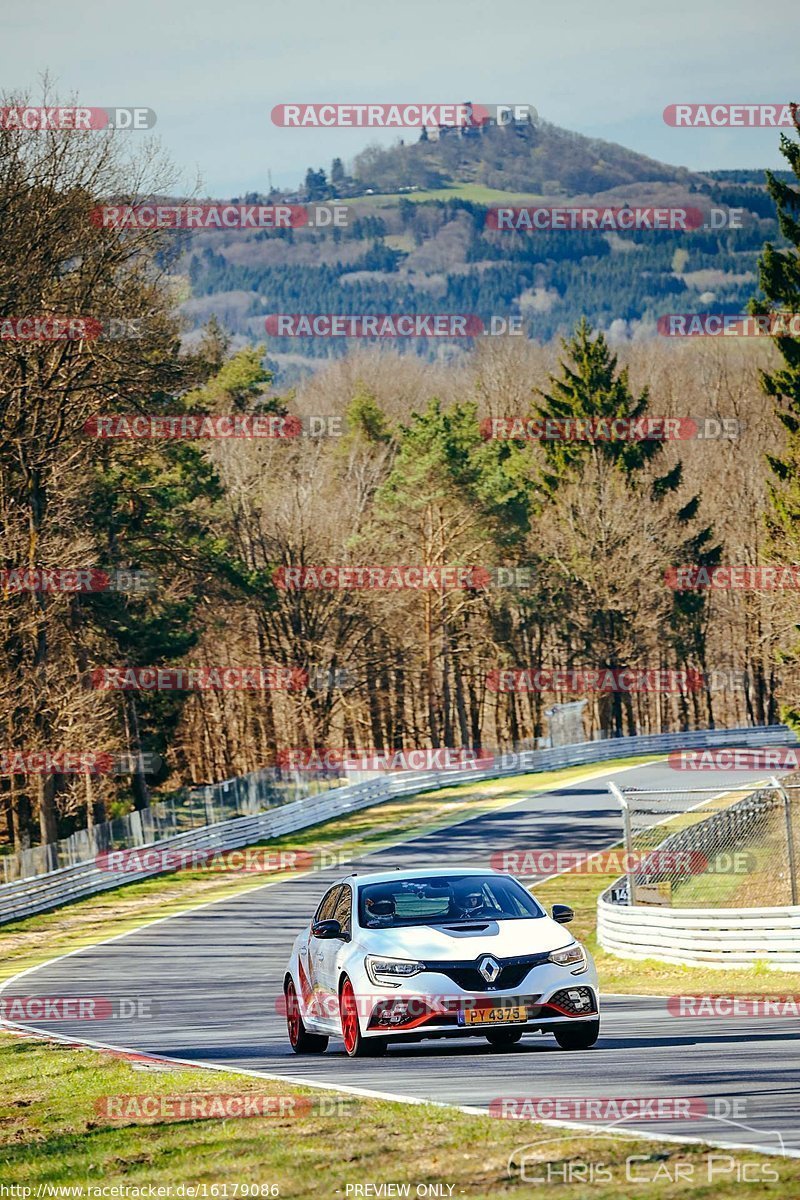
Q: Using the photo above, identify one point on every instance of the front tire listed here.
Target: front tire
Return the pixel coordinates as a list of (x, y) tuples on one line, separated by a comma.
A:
[(501, 1039), (356, 1045), (301, 1041), (580, 1036)]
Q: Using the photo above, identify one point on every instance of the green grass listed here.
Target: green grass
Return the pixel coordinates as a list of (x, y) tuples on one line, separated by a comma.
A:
[(55, 1131), (766, 882), (476, 192)]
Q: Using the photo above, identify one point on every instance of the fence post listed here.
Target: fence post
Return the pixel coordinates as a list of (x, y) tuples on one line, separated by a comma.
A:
[(787, 811), (626, 826)]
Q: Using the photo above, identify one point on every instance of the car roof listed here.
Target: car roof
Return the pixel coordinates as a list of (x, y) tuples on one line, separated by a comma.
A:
[(415, 873)]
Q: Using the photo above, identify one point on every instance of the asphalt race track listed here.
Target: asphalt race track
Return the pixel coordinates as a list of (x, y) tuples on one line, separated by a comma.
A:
[(212, 980)]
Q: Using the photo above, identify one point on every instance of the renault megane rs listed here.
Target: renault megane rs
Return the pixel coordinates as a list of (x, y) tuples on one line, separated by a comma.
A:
[(404, 955)]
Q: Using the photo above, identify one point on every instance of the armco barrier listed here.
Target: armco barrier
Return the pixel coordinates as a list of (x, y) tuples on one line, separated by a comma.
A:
[(714, 937), (29, 896)]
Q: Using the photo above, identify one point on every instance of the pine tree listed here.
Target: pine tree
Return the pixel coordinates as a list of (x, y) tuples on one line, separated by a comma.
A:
[(592, 388)]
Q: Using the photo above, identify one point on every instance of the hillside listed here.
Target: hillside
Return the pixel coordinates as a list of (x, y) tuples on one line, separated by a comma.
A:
[(417, 241), (522, 157)]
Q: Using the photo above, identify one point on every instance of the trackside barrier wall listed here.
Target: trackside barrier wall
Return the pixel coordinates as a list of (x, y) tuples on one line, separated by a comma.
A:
[(26, 897), (712, 937)]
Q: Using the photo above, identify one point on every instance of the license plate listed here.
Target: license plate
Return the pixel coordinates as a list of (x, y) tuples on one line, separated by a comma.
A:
[(493, 1016)]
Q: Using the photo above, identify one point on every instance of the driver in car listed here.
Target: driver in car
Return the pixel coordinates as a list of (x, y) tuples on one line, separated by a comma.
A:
[(468, 901), (380, 911)]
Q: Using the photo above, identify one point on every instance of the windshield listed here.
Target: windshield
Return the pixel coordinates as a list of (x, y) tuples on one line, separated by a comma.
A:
[(444, 900)]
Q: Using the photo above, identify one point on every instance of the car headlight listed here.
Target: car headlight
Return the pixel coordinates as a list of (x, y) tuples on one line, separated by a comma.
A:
[(572, 956), (391, 971)]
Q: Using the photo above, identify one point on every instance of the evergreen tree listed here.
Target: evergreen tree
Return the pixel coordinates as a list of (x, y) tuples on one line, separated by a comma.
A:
[(450, 500), (591, 388), (316, 184)]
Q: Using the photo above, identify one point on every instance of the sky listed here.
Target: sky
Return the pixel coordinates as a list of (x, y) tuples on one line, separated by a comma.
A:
[(213, 71)]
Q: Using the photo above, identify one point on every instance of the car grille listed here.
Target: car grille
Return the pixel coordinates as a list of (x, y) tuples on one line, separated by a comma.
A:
[(466, 975)]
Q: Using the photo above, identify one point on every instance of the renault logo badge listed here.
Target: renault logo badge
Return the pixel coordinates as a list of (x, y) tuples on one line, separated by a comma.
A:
[(489, 968)]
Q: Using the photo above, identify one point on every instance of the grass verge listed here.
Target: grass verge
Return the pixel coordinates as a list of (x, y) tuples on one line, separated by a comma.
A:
[(58, 1128), (478, 193)]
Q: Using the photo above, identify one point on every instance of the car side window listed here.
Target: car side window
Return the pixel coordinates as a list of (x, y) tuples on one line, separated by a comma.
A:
[(328, 904), (343, 913)]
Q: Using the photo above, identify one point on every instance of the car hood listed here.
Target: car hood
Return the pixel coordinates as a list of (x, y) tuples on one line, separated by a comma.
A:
[(447, 943)]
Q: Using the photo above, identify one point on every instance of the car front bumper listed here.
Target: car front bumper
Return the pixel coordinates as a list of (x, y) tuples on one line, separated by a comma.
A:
[(549, 995)]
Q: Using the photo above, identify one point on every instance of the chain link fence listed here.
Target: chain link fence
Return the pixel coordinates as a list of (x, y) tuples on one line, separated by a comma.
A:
[(700, 848), (189, 808), (245, 795)]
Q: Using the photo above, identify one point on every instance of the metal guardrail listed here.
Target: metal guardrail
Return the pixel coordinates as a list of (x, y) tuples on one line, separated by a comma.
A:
[(718, 937), (30, 896), (190, 808)]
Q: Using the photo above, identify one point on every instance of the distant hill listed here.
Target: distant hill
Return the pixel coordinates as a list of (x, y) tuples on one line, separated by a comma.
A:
[(418, 241), (520, 157)]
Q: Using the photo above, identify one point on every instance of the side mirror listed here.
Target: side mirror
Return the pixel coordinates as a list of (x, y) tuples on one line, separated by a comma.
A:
[(561, 913), (326, 930)]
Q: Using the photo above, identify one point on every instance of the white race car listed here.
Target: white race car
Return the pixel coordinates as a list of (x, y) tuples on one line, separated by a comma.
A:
[(406, 955)]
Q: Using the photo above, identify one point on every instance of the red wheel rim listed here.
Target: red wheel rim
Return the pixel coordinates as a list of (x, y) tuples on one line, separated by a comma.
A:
[(292, 1014), (349, 1014)]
